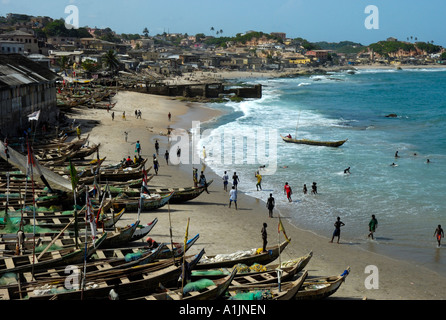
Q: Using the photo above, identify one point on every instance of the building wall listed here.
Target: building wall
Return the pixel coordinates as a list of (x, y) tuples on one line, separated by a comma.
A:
[(17, 102)]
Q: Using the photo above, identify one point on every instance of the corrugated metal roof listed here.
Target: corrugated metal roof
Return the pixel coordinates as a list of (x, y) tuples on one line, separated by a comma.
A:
[(16, 70)]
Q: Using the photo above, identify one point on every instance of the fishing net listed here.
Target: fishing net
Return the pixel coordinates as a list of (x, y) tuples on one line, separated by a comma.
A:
[(197, 285), (241, 268), (8, 278), (254, 295), (257, 268), (133, 256)]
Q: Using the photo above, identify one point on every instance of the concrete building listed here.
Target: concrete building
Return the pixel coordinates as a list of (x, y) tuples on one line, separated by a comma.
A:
[(7, 46), (30, 42), (25, 87)]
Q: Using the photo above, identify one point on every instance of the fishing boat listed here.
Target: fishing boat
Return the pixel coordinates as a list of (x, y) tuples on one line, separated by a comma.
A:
[(333, 144), (129, 283), (257, 274), (49, 259), (203, 289), (321, 287), (285, 291), (248, 257), (180, 195), (148, 203)]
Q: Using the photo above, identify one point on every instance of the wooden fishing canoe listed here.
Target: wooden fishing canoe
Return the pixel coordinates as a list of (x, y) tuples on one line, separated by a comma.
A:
[(129, 283), (249, 257), (268, 274), (149, 203), (287, 291), (49, 259), (321, 287), (212, 292), (333, 144)]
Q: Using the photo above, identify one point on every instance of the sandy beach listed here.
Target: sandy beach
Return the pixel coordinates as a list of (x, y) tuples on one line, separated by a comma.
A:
[(226, 230)]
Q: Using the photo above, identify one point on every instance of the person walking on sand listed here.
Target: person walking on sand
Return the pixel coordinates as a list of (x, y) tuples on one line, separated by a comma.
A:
[(78, 131), (264, 236), (233, 197), (166, 156), (157, 147), (155, 165), (225, 181), (439, 234), (337, 232), (287, 190), (270, 203), (203, 182), (259, 181), (373, 224), (235, 180)]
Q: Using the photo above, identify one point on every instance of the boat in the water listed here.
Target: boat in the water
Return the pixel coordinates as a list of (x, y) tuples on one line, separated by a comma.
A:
[(333, 144)]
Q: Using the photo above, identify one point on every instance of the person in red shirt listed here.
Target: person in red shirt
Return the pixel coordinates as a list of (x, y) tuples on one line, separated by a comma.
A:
[(288, 191)]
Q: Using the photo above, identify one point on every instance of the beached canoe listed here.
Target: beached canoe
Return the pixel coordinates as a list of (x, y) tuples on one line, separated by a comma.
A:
[(248, 257), (257, 274), (149, 203), (321, 287), (333, 144), (128, 283), (203, 289), (49, 259), (287, 290)]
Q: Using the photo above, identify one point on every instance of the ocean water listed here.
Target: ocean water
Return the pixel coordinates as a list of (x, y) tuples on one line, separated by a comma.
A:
[(408, 199)]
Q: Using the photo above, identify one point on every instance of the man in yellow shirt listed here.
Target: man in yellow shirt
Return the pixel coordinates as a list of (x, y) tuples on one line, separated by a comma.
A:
[(259, 181)]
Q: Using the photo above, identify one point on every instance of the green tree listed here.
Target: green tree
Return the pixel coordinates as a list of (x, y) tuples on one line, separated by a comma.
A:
[(90, 65), (145, 32), (111, 61)]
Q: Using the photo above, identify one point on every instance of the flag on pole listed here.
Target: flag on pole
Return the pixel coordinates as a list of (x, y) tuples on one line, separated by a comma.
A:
[(89, 217), (34, 116), (73, 175), (281, 228)]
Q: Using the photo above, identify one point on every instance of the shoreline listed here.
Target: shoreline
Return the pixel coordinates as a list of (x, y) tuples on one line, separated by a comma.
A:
[(224, 230)]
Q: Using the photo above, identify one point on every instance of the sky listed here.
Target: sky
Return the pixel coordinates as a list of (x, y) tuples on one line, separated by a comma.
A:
[(314, 20)]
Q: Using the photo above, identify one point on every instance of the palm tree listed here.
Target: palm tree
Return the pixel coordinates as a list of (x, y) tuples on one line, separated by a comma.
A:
[(221, 31), (212, 29), (145, 32), (111, 61)]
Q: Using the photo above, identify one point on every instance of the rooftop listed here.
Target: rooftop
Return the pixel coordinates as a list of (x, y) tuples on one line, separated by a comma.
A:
[(17, 70)]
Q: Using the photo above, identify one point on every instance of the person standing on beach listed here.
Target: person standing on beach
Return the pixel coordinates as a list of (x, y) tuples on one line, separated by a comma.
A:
[(178, 152), (157, 147), (259, 181), (270, 203), (337, 232), (203, 182), (439, 234), (287, 190), (138, 148), (78, 131), (305, 190), (225, 181), (155, 165), (123, 115), (195, 176), (113, 116), (264, 236), (235, 180), (373, 224), (233, 197), (166, 156), (169, 116), (126, 134)]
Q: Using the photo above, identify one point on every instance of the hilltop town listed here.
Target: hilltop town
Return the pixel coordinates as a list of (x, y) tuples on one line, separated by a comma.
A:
[(95, 53)]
